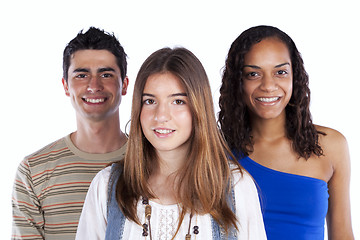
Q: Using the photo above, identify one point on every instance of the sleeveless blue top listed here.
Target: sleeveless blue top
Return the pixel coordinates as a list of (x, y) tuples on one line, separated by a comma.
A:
[(294, 207)]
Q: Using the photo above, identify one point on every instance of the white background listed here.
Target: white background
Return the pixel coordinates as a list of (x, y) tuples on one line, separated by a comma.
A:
[(35, 110)]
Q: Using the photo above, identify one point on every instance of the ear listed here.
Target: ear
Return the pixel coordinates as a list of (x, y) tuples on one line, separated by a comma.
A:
[(125, 86), (66, 87)]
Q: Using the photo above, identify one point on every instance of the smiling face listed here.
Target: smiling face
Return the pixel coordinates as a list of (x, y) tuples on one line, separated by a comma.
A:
[(267, 79), (94, 84), (166, 118)]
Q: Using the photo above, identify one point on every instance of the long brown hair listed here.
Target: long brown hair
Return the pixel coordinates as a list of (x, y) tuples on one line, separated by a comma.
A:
[(234, 117), (204, 181)]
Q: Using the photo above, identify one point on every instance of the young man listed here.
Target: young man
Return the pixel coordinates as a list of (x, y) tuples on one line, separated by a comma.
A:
[(51, 184)]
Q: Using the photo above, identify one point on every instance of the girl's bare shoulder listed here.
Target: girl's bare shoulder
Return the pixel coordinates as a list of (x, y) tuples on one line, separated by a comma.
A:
[(333, 143), (330, 135)]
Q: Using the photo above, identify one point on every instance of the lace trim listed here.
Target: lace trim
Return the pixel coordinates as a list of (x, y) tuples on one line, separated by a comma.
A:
[(167, 224)]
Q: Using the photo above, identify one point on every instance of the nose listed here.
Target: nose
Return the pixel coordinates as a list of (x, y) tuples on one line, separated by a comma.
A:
[(95, 85), (268, 84), (162, 113)]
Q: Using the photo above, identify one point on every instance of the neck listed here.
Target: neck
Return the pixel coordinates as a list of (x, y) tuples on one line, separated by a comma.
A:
[(170, 162), (269, 129), (163, 181), (98, 137)]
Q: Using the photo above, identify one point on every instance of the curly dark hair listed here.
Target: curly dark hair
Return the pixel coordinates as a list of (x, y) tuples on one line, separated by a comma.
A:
[(234, 118)]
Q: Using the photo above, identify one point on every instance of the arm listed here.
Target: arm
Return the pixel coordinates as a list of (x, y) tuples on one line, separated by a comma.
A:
[(339, 216), (27, 217), (93, 219)]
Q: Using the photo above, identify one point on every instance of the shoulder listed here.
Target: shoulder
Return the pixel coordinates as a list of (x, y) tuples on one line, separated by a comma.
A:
[(98, 190), (330, 134), (55, 148), (99, 184), (242, 180), (102, 177), (332, 141), (246, 198), (35, 162), (334, 146)]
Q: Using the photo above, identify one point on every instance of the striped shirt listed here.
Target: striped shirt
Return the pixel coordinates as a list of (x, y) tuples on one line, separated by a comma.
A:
[(50, 188)]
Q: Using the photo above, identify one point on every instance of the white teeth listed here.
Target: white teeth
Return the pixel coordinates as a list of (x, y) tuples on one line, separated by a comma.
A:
[(273, 99), (163, 131), (93, 100)]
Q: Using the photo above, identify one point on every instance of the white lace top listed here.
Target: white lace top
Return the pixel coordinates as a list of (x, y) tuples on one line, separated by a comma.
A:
[(164, 218)]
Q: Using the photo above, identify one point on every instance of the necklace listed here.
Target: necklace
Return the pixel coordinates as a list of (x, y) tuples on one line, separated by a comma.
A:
[(147, 227)]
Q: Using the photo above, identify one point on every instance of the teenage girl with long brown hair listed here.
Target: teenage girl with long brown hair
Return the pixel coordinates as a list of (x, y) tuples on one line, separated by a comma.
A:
[(178, 179)]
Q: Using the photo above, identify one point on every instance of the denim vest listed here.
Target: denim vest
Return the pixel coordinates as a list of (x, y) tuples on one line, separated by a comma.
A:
[(116, 219)]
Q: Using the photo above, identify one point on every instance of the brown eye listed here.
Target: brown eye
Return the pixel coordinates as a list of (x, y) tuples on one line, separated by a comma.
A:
[(179, 102), (282, 72), (252, 75), (148, 101), (106, 75), (81, 75)]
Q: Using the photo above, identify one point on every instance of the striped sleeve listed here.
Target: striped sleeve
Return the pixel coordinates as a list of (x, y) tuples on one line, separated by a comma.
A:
[(50, 188), (28, 221)]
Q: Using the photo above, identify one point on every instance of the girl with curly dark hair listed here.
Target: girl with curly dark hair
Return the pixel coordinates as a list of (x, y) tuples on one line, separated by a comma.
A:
[(302, 170)]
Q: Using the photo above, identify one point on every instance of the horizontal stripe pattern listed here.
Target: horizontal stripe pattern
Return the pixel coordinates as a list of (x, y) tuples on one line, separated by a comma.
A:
[(50, 189)]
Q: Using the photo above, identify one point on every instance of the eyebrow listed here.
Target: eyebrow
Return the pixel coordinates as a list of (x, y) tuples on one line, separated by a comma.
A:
[(100, 70), (257, 67), (171, 95), (81, 70), (281, 65), (106, 69)]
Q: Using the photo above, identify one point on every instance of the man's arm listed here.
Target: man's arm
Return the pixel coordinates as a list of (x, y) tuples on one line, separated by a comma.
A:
[(27, 219)]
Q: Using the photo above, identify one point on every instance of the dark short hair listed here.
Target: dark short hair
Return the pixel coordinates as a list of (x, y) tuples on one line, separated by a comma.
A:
[(95, 39)]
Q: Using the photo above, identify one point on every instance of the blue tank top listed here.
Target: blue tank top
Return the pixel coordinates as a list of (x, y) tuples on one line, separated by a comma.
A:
[(294, 207)]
